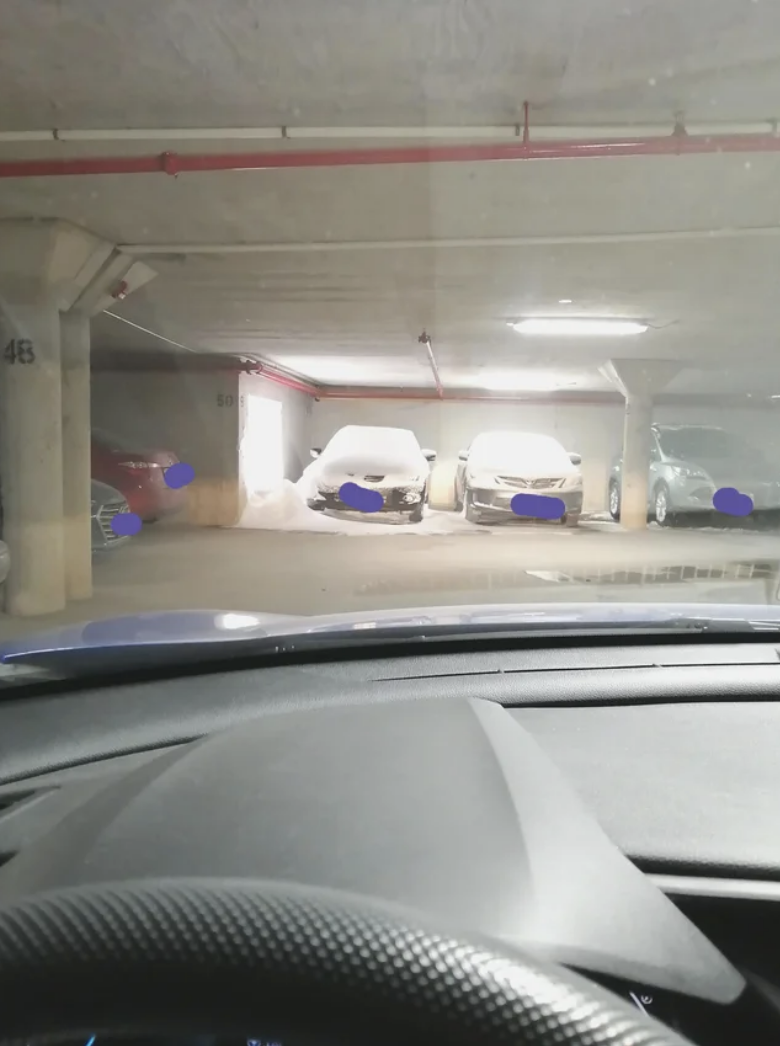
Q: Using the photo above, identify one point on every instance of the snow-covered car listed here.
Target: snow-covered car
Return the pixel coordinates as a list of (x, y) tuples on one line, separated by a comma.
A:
[(499, 465), (387, 461)]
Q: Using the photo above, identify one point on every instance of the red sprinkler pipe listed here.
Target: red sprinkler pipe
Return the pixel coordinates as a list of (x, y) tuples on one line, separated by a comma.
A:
[(285, 380), (675, 144)]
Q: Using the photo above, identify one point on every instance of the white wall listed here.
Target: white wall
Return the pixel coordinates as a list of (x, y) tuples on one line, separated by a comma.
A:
[(595, 432)]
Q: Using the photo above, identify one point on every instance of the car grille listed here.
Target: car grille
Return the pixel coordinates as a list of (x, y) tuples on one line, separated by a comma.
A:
[(105, 514), (530, 484)]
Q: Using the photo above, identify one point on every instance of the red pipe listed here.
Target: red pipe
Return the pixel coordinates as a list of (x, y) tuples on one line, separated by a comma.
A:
[(421, 396), (177, 163), (285, 381)]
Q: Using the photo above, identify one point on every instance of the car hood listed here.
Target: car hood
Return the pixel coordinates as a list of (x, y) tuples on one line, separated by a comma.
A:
[(732, 471), (217, 626), (102, 492)]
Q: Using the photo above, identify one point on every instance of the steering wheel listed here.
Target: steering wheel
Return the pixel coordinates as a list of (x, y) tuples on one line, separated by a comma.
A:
[(195, 956)]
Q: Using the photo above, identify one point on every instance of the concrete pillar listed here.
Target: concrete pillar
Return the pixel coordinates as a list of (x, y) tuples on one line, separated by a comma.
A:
[(45, 266), (639, 381), (31, 453), (636, 461), (76, 454)]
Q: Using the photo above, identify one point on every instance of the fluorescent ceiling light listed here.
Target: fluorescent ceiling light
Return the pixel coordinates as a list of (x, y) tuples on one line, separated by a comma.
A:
[(604, 328), (564, 301)]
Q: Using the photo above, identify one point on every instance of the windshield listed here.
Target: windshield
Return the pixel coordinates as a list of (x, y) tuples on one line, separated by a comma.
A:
[(519, 448), (371, 309), (692, 444), (368, 440)]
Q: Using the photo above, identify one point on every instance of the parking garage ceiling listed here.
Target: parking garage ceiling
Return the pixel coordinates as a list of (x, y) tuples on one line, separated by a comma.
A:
[(349, 265)]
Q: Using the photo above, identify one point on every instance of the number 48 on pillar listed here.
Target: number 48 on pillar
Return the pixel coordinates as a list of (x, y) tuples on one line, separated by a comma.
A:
[(19, 350)]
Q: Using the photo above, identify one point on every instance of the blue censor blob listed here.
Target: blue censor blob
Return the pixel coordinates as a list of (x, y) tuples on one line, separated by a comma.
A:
[(125, 524), (729, 501), (360, 498), (179, 475), (537, 506)]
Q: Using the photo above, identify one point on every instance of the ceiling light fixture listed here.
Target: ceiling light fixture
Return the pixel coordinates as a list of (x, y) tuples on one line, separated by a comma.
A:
[(583, 327), (564, 301)]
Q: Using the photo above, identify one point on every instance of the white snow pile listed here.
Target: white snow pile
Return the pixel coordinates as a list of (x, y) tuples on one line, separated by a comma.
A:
[(285, 509)]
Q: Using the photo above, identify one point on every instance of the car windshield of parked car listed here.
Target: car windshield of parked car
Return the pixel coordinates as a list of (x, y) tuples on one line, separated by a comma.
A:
[(518, 449), (355, 309), (365, 440), (692, 444)]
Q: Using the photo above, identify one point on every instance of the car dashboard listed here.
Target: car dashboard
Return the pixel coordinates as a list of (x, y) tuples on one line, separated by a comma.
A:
[(614, 809)]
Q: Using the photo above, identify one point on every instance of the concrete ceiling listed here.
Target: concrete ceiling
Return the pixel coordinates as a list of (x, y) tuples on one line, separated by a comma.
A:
[(352, 315), (86, 63)]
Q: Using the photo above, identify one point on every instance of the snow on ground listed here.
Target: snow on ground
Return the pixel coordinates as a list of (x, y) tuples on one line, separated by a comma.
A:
[(285, 509)]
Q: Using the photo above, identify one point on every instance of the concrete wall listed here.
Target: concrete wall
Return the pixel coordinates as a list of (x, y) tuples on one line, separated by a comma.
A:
[(198, 416)]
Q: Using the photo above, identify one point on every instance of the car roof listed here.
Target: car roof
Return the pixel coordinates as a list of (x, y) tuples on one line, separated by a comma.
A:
[(688, 428)]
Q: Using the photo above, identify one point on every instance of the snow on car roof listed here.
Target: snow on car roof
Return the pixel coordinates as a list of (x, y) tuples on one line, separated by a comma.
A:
[(372, 448)]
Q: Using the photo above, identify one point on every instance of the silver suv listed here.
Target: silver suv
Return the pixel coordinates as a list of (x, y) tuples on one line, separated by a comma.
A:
[(688, 463)]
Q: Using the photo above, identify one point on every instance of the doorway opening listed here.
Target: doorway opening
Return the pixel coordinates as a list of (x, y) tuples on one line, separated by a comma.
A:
[(262, 445)]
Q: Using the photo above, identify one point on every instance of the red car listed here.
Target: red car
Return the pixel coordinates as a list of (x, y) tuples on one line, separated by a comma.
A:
[(136, 473)]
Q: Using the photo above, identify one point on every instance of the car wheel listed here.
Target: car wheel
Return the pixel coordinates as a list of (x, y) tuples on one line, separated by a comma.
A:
[(416, 515), (614, 501), (571, 519), (662, 513), (472, 514)]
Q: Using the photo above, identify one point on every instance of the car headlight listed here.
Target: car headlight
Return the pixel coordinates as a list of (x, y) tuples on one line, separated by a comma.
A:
[(689, 472), (481, 481), (573, 482)]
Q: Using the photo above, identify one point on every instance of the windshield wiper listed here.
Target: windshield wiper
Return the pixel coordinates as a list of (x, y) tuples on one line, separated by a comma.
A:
[(122, 662)]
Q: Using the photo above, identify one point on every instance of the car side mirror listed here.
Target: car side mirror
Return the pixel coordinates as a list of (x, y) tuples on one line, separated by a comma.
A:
[(315, 452), (575, 459), (429, 455), (463, 455)]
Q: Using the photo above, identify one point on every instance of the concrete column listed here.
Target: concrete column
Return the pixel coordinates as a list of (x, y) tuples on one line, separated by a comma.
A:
[(639, 381), (48, 267), (31, 453), (636, 461), (76, 454)]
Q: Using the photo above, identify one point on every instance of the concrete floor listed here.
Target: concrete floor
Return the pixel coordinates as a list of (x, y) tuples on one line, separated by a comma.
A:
[(173, 566)]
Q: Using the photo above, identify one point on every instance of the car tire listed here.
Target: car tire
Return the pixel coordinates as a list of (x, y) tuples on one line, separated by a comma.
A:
[(458, 502), (472, 514), (614, 501), (661, 511), (416, 515), (571, 519)]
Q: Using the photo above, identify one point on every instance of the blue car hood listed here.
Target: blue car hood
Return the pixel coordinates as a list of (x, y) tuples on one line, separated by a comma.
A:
[(219, 626)]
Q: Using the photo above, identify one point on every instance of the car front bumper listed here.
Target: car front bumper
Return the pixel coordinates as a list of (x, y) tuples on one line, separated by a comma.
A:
[(498, 500), (696, 496), (103, 536), (395, 500)]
